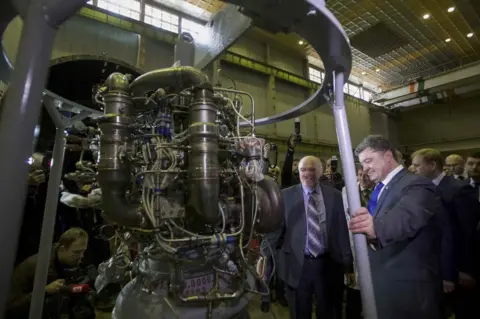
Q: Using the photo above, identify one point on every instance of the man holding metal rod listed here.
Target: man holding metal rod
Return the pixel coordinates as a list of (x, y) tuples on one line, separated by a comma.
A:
[(403, 235)]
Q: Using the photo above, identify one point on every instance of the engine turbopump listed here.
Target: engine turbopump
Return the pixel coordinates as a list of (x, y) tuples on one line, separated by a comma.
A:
[(182, 182)]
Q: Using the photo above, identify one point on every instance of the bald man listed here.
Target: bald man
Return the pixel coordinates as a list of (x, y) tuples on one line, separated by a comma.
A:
[(455, 166), (316, 250)]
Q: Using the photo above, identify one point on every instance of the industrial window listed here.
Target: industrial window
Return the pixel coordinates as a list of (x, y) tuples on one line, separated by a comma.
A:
[(161, 19), (128, 8), (346, 89), (314, 75), (192, 27)]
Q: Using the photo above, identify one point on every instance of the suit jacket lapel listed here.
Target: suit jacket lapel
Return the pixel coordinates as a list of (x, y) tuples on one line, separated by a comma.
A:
[(386, 191), (301, 223)]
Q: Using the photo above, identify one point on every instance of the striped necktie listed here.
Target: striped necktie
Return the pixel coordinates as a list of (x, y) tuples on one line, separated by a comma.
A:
[(316, 242)]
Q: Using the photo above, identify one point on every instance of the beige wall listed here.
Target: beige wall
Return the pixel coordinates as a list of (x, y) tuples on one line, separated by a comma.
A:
[(451, 126)]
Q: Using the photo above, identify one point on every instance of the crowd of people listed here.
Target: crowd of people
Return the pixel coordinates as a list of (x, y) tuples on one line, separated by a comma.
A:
[(421, 225)]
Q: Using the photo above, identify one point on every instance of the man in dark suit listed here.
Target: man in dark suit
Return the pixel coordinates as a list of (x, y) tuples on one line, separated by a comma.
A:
[(404, 237), (456, 222), (316, 249), (455, 166), (468, 290)]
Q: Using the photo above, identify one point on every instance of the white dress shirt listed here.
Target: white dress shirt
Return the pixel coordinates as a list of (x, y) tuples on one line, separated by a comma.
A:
[(388, 178), (472, 183)]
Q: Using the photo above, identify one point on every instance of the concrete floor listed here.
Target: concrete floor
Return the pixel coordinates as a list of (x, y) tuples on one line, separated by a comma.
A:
[(276, 312)]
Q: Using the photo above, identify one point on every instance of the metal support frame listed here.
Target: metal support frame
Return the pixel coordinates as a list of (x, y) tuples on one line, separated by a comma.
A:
[(51, 203), (349, 172), (438, 83), (184, 51), (49, 215), (222, 30), (20, 114)]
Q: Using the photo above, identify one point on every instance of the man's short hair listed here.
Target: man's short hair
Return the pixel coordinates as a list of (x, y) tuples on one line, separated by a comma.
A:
[(296, 160), (377, 143), (474, 155), (430, 155), (71, 235)]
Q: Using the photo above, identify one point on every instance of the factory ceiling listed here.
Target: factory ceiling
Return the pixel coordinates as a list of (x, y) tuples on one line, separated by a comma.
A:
[(394, 42)]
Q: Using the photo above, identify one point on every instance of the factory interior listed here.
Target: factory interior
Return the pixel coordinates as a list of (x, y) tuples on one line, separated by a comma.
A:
[(173, 140)]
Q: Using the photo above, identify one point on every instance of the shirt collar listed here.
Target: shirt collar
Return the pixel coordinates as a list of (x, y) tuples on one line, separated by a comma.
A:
[(391, 175), (438, 179), (472, 182), (307, 190)]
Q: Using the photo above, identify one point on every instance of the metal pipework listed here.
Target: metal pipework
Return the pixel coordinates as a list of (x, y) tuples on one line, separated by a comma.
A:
[(252, 102), (203, 167), (113, 169), (177, 77)]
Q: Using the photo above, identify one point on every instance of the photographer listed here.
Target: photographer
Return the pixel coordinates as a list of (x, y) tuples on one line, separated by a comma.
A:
[(38, 174), (290, 165), (334, 177), (64, 275)]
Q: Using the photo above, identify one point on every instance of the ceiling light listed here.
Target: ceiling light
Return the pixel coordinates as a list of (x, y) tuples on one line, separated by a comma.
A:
[(426, 16), (451, 9), (363, 73), (470, 35), (301, 42), (377, 70), (448, 40)]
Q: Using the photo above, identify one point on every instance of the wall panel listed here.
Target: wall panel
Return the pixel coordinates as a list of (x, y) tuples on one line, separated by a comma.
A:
[(157, 54), (280, 58), (81, 35), (249, 48), (287, 96), (325, 125), (451, 126)]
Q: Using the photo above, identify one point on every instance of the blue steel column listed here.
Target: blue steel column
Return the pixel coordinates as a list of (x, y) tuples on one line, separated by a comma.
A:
[(348, 164), (19, 116)]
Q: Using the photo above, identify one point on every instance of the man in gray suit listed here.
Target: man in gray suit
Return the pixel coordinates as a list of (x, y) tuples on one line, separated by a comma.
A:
[(316, 249), (401, 226)]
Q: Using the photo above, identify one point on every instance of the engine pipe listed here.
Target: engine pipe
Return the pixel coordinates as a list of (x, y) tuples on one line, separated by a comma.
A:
[(176, 77), (203, 166), (113, 170)]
